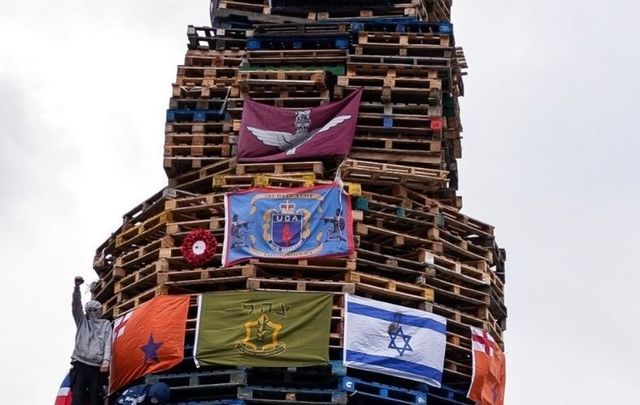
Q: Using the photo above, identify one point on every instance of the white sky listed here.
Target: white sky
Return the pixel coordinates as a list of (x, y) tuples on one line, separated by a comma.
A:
[(548, 158)]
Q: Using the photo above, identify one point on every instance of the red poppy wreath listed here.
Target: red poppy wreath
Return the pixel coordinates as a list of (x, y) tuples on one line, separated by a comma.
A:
[(199, 247)]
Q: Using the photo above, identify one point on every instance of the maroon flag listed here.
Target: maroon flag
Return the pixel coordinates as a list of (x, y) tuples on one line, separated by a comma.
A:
[(276, 134)]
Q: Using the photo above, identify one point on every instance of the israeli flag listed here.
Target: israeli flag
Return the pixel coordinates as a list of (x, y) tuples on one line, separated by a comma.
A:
[(395, 340)]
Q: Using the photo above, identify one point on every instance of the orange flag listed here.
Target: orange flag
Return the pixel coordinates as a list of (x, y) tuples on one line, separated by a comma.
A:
[(148, 339), (489, 375)]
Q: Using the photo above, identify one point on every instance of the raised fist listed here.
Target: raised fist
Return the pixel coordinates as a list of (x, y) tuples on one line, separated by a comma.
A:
[(78, 281)]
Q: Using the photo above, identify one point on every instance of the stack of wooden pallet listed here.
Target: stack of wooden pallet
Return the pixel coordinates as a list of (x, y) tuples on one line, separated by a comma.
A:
[(251, 11), (414, 245)]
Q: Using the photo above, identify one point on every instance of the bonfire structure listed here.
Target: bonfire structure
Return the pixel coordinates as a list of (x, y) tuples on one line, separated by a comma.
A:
[(408, 242)]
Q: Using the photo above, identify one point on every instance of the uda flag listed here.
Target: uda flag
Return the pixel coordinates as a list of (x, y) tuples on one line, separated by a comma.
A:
[(263, 329), (148, 339), (275, 134), (64, 393), (287, 223), (489, 374), (395, 340)]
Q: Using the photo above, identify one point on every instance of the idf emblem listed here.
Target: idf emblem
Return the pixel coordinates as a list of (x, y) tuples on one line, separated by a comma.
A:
[(261, 338), (286, 228)]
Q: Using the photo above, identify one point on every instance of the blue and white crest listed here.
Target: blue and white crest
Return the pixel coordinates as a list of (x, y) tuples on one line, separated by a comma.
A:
[(286, 230)]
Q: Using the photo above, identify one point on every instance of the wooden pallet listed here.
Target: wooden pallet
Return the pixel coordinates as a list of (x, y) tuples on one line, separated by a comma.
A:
[(394, 95), (174, 216), (394, 49), (152, 206), (418, 72), (454, 240), (103, 289), (313, 76), (217, 58), (176, 273), (297, 57), (398, 222), (407, 109), (406, 39), (199, 181), (222, 127), (202, 92), (234, 12), (214, 73), (384, 207), (317, 168), (259, 6), (128, 304), (459, 321), (373, 392), (455, 246), (189, 386), (219, 279), (282, 80), (197, 88), (200, 139), (185, 276), (108, 307), (400, 125), (269, 95), (416, 153), (178, 152), (216, 38), (380, 286), (281, 395), (209, 102), (403, 10), (139, 281), (379, 235), (401, 61), (455, 295), (144, 255), (375, 173), (406, 157), (421, 272), (418, 199), (144, 231), (231, 182), (299, 285), (393, 82), (436, 10), (357, 67), (197, 201), (235, 105), (299, 29), (295, 41), (307, 265), (178, 165), (333, 270)]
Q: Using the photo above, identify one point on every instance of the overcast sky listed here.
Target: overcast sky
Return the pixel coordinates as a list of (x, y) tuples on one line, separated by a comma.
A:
[(549, 158)]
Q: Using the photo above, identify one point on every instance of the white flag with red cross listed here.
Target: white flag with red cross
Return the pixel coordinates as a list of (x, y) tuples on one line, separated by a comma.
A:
[(489, 372)]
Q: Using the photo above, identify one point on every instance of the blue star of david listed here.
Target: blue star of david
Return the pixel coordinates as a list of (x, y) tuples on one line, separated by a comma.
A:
[(405, 339), (151, 350)]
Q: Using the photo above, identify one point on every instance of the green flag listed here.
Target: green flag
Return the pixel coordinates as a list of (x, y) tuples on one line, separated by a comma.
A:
[(263, 328)]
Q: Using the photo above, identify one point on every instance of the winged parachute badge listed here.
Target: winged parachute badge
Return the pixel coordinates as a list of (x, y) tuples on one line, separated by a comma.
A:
[(275, 134), (289, 142)]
